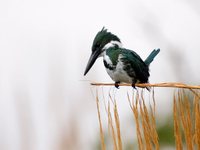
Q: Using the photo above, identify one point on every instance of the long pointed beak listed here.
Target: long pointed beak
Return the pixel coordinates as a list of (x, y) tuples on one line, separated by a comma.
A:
[(92, 60)]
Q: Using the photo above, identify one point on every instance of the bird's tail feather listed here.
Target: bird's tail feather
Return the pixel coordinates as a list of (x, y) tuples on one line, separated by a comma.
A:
[(150, 58)]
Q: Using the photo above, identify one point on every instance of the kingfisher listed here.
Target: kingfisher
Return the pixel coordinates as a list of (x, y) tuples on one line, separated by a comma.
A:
[(122, 65)]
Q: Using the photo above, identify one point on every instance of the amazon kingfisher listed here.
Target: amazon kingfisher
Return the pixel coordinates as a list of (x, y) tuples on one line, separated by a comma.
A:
[(122, 65)]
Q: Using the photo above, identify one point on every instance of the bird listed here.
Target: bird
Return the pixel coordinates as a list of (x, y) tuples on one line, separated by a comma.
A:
[(122, 65)]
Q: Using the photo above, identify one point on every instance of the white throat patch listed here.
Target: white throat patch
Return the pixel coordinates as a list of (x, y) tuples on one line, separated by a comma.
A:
[(112, 44)]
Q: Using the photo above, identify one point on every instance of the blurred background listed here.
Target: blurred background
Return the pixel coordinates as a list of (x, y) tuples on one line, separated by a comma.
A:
[(45, 101)]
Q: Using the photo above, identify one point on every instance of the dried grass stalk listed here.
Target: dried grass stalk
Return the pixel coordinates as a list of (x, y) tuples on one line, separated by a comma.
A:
[(177, 133), (143, 85), (184, 109), (153, 124), (103, 146), (135, 111), (197, 121), (145, 123), (117, 123), (186, 118), (111, 128)]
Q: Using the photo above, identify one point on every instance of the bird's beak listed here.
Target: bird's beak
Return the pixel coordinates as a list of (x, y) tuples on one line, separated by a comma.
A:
[(92, 60)]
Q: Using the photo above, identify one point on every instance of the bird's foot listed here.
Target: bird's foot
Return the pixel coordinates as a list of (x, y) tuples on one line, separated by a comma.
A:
[(133, 85), (117, 85), (148, 88)]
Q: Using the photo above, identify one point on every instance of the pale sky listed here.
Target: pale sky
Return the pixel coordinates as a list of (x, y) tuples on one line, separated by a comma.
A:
[(44, 49)]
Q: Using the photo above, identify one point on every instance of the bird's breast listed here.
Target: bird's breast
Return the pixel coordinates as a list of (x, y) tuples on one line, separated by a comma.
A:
[(116, 72)]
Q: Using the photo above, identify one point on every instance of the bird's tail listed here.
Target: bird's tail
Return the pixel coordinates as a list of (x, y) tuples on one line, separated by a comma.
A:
[(150, 58)]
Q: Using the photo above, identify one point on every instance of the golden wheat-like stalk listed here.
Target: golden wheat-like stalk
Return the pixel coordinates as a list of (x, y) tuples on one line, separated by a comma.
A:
[(186, 117), (177, 132), (103, 146), (197, 121), (117, 123), (145, 122), (134, 108), (143, 85)]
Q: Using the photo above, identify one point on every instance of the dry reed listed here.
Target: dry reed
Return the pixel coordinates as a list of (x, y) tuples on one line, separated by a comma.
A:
[(197, 121), (143, 85), (111, 127), (134, 108), (177, 132), (115, 126), (186, 117), (103, 146)]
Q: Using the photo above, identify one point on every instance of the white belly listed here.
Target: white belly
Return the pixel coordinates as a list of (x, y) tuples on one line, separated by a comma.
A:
[(119, 74)]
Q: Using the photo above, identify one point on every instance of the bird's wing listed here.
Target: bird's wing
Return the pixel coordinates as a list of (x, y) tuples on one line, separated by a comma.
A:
[(135, 66)]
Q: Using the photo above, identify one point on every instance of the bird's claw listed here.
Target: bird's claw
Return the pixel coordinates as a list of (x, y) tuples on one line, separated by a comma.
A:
[(133, 85), (117, 85)]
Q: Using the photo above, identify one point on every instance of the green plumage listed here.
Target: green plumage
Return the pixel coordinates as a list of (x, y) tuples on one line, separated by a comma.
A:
[(133, 64), (102, 38), (121, 64), (113, 53), (150, 58)]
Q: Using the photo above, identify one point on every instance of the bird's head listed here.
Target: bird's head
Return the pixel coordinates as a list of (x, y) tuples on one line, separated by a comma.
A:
[(102, 41)]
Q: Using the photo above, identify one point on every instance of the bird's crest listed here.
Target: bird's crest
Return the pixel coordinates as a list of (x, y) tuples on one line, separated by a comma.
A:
[(102, 38)]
